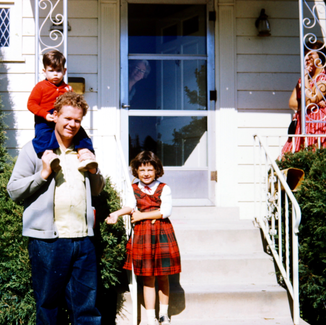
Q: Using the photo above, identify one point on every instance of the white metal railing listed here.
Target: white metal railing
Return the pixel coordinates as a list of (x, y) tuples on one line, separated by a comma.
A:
[(120, 179), (312, 40), (126, 190), (278, 214), (56, 13), (275, 143)]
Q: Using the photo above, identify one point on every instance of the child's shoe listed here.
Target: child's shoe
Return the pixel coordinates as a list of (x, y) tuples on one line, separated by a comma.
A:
[(87, 164), (155, 322), (165, 320), (55, 164)]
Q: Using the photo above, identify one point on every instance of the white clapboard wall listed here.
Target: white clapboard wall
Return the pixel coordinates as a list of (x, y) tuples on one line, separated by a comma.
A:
[(267, 71), (254, 78)]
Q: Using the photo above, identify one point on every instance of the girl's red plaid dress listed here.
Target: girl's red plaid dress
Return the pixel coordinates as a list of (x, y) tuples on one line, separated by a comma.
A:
[(155, 249)]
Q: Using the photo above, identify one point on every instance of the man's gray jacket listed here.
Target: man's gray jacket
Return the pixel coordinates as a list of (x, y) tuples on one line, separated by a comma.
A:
[(26, 183)]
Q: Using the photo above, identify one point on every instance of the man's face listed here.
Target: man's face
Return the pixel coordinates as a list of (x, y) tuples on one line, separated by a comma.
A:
[(68, 122)]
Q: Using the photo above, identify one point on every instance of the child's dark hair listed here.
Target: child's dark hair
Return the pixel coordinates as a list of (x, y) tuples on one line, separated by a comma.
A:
[(54, 59), (147, 157)]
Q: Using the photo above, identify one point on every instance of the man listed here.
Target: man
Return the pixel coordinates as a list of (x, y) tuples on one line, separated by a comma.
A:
[(58, 218)]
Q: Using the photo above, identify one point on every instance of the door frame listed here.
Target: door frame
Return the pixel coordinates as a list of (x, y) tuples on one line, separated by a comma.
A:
[(211, 104)]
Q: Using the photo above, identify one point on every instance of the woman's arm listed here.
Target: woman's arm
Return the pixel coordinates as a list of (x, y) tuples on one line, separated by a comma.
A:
[(293, 102), (317, 93)]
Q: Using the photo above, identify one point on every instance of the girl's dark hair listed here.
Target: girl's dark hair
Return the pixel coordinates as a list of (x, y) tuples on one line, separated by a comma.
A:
[(147, 157)]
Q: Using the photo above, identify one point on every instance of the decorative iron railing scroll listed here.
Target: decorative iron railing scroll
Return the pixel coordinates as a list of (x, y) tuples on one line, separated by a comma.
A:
[(47, 36), (278, 214), (312, 15)]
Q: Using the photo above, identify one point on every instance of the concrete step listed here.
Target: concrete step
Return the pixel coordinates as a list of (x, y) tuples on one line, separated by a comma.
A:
[(226, 277), (213, 240), (205, 213), (225, 301), (216, 302), (226, 269)]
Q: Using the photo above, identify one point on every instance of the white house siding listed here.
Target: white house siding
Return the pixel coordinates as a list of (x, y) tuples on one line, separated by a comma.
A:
[(267, 69), (254, 79), (19, 77), (101, 73)]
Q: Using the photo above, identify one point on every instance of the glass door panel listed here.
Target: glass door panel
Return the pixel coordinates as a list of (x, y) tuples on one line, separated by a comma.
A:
[(177, 140), (166, 29), (168, 106), (168, 84)]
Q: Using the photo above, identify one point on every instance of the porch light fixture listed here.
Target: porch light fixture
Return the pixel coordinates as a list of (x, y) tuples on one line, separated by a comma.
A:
[(58, 27), (262, 24)]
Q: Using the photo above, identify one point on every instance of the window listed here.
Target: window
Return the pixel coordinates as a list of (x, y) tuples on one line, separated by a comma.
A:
[(4, 27), (11, 18)]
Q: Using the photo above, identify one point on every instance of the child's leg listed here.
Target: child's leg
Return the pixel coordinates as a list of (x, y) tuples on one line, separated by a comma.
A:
[(149, 298), (45, 139), (163, 294), (82, 141), (44, 136)]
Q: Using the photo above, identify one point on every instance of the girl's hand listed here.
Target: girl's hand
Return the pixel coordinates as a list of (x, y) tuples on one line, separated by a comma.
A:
[(136, 216), (112, 218)]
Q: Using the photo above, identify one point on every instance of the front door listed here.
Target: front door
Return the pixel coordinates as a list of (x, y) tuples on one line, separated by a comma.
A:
[(167, 73)]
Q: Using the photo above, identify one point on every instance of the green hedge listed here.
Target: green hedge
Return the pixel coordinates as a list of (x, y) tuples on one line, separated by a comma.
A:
[(17, 305), (312, 236)]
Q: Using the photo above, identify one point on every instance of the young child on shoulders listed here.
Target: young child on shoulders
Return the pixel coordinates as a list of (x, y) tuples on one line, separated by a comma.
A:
[(41, 102), (152, 229)]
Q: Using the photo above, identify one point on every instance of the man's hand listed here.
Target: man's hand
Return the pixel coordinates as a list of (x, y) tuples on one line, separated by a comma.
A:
[(47, 157)]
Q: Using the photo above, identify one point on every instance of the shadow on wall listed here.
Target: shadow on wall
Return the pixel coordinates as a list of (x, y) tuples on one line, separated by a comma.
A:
[(8, 109)]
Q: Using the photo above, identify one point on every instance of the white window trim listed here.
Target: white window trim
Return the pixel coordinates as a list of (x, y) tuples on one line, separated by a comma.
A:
[(13, 53)]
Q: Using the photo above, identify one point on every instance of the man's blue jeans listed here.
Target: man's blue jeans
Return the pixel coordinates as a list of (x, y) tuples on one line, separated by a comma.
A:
[(64, 268)]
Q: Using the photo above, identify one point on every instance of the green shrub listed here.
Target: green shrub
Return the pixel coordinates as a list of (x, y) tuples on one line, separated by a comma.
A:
[(17, 305), (312, 236)]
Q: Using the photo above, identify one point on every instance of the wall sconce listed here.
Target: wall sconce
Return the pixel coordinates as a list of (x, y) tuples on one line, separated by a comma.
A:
[(77, 84), (262, 24), (58, 27)]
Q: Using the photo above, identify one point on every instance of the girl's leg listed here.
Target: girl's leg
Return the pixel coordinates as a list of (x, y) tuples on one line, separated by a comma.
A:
[(163, 289), (149, 298), (163, 293)]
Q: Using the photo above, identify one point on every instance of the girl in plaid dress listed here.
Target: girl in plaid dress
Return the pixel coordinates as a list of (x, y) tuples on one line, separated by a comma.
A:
[(154, 251)]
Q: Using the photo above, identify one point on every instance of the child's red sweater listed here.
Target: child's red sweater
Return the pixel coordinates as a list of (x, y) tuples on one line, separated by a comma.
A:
[(43, 96)]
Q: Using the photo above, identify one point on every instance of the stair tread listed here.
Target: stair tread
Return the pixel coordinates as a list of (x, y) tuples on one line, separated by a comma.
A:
[(188, 255), (211, 224), (190, 288)]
